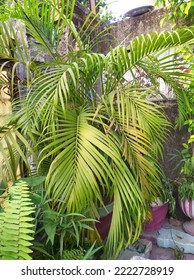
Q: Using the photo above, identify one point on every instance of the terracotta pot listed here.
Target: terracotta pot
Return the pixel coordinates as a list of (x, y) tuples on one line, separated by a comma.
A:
[(187, 206), (103, 224), (159, 211)]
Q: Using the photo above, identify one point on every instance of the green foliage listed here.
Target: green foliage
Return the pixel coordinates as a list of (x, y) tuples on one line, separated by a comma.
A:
[(186, 190), (74, 254), (65, 228), (101, 8), (181, 9), (89, 130), (80, 253), (177, 9), (17, 223), (168, 194), (62, 235), (185, 163), (179, 253), (2, 2)]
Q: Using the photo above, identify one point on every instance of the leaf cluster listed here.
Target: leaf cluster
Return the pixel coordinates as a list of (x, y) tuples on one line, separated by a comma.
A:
[(17, 223), (177, 9)]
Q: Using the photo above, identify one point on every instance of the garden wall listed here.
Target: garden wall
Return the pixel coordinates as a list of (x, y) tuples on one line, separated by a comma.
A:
[(125, 30), (174, 141)]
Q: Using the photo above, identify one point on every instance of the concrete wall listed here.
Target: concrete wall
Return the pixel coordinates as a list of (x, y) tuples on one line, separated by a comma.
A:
[(125, 30), (174, 140)]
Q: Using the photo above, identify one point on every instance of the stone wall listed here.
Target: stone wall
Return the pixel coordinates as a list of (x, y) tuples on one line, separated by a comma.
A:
[(125, 30), (173, 142)]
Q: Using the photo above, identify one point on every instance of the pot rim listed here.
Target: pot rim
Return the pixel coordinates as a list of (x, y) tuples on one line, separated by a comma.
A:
[(104, 211), (158, 202)]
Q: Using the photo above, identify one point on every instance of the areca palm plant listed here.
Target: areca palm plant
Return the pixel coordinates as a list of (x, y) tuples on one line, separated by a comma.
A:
[(89, 130)]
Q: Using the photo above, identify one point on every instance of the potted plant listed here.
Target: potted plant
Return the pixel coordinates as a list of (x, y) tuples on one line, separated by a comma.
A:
[(186, 163), (163, 204), (83, 123), (104, 222), (186, 187)]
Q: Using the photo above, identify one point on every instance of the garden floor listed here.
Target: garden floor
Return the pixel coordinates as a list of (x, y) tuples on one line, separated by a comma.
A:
[(170, 242), (161, 253)]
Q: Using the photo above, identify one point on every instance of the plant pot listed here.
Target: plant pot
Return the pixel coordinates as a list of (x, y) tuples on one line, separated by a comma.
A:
[(187, 206), (159, 211), (103, 224)]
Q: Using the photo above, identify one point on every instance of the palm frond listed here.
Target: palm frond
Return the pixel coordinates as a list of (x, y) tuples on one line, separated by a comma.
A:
[(46, 21), (170, 70), (121, 59), (78, 163), (94, 28), (14, 150)]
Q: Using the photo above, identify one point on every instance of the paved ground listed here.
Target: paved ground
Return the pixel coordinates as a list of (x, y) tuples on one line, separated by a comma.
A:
[(170, 234), (158, 253)]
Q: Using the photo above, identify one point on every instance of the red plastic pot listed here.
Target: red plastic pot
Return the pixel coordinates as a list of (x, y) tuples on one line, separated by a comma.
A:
[(159, 213), (103, 224)]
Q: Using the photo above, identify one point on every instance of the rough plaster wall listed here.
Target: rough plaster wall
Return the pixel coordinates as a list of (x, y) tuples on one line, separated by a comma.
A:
[(125, 30), (149, 22), (174, 140)]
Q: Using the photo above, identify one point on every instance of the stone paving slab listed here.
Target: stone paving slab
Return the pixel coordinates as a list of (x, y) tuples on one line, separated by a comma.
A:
[(159, 253), (170, 238), (168, 253), (138, 258), (155, 252), (141, 248)]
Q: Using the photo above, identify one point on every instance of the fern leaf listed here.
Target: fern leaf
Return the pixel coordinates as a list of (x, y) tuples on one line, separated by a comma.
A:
[(74, 254), (16, 224)]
